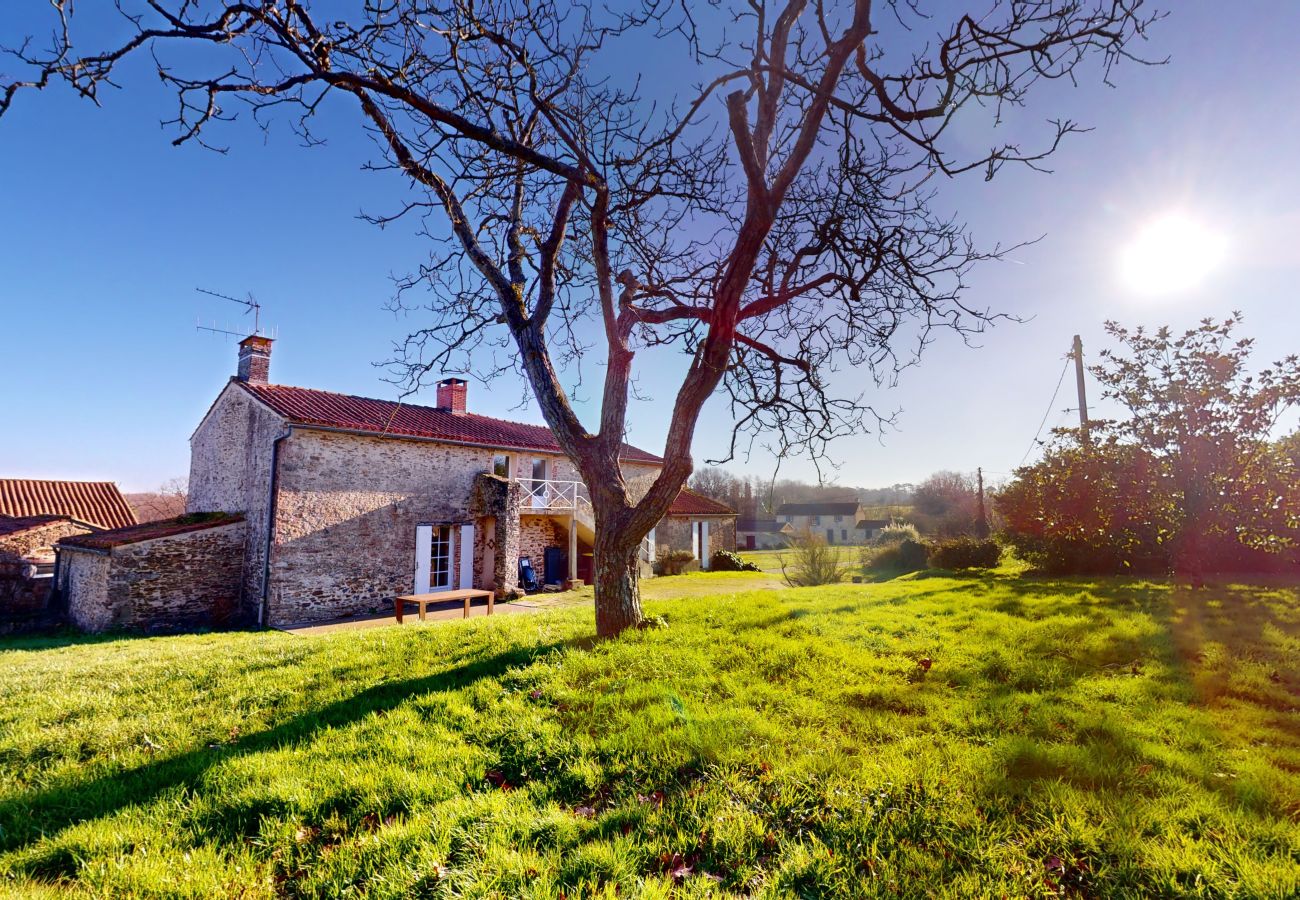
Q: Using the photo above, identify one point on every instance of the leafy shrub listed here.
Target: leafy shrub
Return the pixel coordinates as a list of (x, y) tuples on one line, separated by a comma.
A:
[(896, 532), (908, 556), (726, 561), (811, 561), (965, 553), (672, 562), (1090, 510)]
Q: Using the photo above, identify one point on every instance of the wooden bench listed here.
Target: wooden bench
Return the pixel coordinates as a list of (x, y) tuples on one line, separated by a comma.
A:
[(423, 600)]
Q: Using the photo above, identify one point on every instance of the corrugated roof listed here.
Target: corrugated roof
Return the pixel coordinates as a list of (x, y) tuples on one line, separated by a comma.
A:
[(388, 418), (107, 540), (97, 503), (689, 503)]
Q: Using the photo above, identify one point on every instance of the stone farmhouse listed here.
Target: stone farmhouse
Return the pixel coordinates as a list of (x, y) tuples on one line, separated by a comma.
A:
[(839, 521), (307, 505)]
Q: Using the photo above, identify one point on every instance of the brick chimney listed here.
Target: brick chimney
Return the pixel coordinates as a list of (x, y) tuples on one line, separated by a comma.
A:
[(255, 359), (451, 395)]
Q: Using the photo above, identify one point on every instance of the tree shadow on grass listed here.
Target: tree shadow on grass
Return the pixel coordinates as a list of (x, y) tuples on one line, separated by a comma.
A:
[(57, 638), (27, 818), (1225, 650)]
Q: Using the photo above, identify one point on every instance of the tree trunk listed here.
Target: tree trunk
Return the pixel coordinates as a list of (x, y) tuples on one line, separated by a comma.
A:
[(617, 580)]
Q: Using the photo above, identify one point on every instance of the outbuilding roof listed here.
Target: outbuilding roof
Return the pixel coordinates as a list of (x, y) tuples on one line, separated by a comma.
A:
[(97, 503), (389, 418), (107, 540), (689, 503)]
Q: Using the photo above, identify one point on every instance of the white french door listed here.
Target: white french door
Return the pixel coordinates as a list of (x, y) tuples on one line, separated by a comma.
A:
[(435, 548)]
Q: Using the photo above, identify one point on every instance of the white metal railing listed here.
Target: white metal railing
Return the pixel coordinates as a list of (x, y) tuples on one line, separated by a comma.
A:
[(552, 494)]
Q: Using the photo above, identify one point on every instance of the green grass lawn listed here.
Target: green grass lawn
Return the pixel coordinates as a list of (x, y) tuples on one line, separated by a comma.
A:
[(1092, 739), (769, 560)]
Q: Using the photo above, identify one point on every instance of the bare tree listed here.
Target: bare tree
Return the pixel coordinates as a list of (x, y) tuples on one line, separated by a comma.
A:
[(773, 224), (167, 501)]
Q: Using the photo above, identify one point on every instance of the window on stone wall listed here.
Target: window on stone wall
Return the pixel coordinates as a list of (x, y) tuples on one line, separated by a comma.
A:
[(501, 465)]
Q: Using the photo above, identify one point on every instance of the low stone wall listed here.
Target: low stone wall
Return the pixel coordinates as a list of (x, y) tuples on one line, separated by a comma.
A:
[(178, 582), (38, 540)]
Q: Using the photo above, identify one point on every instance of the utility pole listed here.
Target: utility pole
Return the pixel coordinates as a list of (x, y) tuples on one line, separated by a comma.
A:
[(982, 524), (1078, 377)]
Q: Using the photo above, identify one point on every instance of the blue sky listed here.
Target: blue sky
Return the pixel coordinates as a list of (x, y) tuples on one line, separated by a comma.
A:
[(107, 230)]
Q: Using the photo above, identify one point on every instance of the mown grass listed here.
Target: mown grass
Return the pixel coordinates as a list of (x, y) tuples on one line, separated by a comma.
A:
[(770, 560), (1101, 739)]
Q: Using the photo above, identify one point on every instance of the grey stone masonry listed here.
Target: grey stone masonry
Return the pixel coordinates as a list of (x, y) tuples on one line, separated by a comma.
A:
[(179, 581)]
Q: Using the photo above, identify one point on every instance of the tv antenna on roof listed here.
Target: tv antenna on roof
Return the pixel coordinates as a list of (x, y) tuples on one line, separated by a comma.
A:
[(250, 306)]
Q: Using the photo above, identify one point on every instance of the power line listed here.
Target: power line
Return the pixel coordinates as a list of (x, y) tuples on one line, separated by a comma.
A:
[(1060, 381)]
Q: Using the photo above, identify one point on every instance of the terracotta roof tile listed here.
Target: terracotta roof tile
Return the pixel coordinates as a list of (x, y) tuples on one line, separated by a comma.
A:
[(306, 406), (97, 503), (689, 503), (107, 540)]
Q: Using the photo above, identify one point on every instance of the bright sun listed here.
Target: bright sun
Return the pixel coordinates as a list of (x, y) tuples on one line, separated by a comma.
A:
[(1171, 254)]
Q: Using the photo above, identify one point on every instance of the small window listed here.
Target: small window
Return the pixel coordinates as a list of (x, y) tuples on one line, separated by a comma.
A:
[(839, 519), (816, 520), (844, 533), (501, 465)]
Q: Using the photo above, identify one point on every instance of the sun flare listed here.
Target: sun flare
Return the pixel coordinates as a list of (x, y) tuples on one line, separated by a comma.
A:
[(1171, 254)]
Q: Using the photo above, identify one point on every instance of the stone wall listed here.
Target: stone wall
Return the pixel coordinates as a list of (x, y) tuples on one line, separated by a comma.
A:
[(674, 533), (230, 471), (83, 581), (39, 540), (186, 580), (346, 515), (536, 533), (348, 507), (495, 504), (845, 531)]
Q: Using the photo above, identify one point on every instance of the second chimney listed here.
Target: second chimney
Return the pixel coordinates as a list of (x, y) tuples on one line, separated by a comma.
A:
[(451, 395), (255, 359)]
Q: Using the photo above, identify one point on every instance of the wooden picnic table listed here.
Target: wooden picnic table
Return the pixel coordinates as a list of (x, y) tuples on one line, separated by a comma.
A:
[(423, 600)]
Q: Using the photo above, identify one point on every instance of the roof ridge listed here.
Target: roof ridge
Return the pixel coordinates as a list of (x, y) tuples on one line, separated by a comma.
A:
[(399, 402), (58, 480), (282, 398)]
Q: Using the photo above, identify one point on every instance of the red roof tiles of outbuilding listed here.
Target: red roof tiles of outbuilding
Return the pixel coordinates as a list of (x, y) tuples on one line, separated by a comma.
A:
[(689, 503), (389, 418), (97, 503)]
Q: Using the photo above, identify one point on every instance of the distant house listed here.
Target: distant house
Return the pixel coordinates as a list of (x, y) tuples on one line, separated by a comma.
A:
[(346, 502), (753, 533), (837, 521)]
